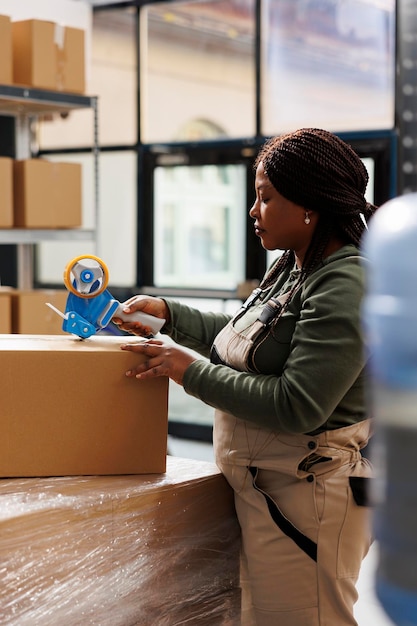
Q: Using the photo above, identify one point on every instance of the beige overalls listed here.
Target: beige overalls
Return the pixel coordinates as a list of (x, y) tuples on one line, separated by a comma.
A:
[(303, 534)]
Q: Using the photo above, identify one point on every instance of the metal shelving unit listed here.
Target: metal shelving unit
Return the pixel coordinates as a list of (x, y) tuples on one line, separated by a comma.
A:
[(26, 105)]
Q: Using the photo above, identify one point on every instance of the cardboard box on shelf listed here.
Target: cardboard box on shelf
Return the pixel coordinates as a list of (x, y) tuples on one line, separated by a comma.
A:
[(67, 194), (31, 315), (167, 546), (48, 55), (6, 68), (70, 54), (6, 192), (67, 408), (34, 63), (6, 309), (47, 194)]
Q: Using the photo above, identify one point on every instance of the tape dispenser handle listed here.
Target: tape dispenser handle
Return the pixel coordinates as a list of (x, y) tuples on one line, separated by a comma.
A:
[(154, 323)]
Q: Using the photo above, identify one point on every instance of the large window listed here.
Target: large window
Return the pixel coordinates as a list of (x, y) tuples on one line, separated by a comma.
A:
[(327, 63), (198, 70)]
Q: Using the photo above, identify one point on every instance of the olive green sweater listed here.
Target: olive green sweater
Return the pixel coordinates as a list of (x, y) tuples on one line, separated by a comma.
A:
[(312, 364)]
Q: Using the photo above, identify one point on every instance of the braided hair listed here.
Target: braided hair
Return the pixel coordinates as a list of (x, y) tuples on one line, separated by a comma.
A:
[(318, 171)]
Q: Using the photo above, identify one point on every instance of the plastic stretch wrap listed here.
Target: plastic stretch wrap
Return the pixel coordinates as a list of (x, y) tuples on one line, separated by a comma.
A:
[(150, 550)]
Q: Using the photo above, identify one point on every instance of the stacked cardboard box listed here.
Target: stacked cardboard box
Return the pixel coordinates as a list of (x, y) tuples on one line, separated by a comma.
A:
[(32, 316), (37, 193), (47, 55), (47, 194), (6, 294), (6, 192), (42, 54), (6, 65)]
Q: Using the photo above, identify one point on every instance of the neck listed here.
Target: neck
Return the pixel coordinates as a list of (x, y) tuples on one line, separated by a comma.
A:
[(334, 244)]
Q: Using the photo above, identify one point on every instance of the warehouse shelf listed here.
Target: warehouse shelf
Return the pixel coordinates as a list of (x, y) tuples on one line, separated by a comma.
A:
[(33, 236), (27, 105), (15, 100)]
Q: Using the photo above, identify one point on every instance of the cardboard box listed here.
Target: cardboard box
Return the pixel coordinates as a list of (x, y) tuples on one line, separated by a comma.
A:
[(70, 54), (6, 192), (34, 56), (31, 316), (66, 194), (6, 67), (47, 55), (67, 408), (47, 194), (6, 309), (121, 550)]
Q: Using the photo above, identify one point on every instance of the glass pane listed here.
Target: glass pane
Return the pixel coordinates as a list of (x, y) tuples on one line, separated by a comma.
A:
[(328, 64), (198, 70), (113, 78), (199, 226), (116, 237)]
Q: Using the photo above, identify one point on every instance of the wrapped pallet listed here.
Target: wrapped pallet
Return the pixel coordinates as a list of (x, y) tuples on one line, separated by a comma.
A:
[(144, 550)]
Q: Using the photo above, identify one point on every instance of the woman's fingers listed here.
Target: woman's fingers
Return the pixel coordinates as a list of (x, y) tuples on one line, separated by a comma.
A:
[(143, 347), (153, 364), (135, 328), (162, 359)]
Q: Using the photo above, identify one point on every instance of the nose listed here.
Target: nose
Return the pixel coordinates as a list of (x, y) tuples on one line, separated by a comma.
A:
[(253, 209)]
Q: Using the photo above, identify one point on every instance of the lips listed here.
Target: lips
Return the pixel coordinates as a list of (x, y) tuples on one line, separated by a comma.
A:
[(258, 231)]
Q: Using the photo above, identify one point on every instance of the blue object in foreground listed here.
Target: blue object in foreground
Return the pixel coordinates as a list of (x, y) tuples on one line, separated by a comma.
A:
[(400, 605), (390, 325)]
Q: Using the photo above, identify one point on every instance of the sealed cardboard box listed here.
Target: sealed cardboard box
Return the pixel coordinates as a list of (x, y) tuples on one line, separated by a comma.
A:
[(67, 194), (70, 54), (31, 193), (6, 73), (145, 550), (48, 55), (6, 309), (34, 62), (31, 315), (67, 408), (6, 191), (47, 194)]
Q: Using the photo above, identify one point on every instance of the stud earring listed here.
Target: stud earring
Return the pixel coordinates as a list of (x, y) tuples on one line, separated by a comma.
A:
[(307, 220)]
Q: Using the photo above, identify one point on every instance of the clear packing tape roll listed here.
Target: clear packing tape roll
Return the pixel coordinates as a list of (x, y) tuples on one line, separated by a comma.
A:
[(150, 550)]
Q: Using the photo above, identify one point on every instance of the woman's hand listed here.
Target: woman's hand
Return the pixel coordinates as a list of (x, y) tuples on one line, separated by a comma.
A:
[(145, 304), (162, 359)]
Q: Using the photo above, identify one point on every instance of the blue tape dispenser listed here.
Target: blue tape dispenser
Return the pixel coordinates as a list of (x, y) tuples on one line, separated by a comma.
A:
[(90, 306)]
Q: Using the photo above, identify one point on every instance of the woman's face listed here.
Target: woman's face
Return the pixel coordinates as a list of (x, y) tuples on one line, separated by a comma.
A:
[(280, 223)]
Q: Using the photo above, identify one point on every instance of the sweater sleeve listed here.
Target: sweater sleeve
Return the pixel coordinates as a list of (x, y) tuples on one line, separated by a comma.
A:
[(325, 360), (192, 328)]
